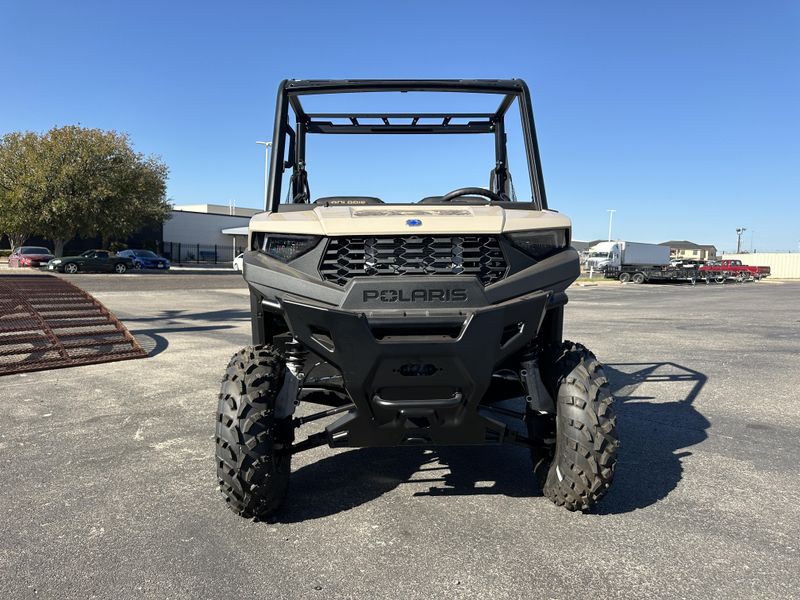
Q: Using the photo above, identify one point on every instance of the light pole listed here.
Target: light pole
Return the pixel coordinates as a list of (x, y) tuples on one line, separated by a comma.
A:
[(267, 146), (610, 212), (739, 232)]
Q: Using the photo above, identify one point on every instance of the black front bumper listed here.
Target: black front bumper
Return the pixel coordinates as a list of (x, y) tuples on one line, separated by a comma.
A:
[(416, 384)]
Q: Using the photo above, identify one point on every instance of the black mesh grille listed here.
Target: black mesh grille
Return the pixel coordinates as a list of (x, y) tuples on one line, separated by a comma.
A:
[(477, 255)]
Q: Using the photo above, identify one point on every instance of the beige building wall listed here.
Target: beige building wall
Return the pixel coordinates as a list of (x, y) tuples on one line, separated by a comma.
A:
[(783, 265), (688, 253), (692, 253)]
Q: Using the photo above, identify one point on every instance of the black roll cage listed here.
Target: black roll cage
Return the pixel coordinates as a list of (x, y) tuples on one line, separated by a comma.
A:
[(290, 91)]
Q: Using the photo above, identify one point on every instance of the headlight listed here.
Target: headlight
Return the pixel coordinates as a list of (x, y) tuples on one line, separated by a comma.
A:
[(56, 261), (287, 247), (539, 244)]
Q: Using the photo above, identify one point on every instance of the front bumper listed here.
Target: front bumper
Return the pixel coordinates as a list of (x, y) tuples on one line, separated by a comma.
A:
[(419, 386), (160, 265), (273, 279)]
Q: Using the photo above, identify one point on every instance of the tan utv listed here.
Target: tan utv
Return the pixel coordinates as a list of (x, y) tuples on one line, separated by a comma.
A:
[(435, 320)]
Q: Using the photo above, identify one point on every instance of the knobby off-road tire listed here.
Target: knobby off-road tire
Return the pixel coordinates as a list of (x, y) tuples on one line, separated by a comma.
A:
[(253, 475), (576, 452)]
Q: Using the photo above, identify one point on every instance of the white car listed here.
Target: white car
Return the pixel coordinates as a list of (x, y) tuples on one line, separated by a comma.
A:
[(238, 263)]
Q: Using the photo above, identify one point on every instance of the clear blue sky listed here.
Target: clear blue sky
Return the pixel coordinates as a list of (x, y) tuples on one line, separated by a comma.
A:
[(683, 116)]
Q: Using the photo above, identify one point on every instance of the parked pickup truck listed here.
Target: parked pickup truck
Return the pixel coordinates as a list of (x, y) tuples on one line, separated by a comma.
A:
[(732, 269)]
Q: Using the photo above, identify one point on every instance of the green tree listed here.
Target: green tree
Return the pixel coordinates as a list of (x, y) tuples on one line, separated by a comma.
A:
[(73, 181), (20, 175), (96, 184)]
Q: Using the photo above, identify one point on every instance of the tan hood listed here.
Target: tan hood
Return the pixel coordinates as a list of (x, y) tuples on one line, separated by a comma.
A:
[(387, 219)]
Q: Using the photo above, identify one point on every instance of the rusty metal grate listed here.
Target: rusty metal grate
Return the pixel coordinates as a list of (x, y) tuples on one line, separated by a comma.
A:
[(46, 323)]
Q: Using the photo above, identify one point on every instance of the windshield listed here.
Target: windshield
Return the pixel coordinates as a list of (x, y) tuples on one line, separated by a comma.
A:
[(34, 250), (144, 254), (599, 254), (452, 145)]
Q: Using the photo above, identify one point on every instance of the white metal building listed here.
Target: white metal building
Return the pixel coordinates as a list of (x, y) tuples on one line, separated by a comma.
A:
[(201, 228), (202, 231)]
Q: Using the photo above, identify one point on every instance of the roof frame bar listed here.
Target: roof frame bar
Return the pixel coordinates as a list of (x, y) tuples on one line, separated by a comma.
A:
[(511, 89)]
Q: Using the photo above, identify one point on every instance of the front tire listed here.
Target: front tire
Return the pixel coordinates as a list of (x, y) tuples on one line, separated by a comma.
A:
[(252, 471), (70, 268), (575, 452), (120, 268)]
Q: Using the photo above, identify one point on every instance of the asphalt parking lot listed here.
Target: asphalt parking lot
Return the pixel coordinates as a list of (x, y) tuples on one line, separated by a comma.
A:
[(111, 491)]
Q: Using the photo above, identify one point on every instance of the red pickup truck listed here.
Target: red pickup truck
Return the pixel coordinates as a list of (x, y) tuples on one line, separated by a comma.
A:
[(732, 269)]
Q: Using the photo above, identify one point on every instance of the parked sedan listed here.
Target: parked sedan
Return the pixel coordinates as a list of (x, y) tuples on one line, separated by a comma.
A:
[(29, 256), (92, 260), (145, 259)]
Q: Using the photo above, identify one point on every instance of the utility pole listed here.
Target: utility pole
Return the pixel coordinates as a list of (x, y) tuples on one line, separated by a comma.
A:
[(739, 232), (610, 212), (267, 146)]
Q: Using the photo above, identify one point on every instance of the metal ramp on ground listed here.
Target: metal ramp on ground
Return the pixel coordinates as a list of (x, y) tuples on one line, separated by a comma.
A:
[(47, 323)]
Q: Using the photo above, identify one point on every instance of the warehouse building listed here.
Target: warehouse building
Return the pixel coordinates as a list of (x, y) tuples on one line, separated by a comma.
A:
[(205, 232)]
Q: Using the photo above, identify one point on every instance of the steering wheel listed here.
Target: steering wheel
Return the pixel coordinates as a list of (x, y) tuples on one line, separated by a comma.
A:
[(467, 191)]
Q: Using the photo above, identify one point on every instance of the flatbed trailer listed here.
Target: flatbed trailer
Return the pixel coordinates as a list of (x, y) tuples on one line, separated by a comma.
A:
[(645, 273)]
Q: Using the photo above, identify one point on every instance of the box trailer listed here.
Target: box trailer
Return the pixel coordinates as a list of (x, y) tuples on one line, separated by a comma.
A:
[(621, 253), (637, 262)]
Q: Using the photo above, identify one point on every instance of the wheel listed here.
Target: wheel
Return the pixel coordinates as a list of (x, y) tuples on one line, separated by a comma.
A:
[(70, 268), (742, 277), (253, 474), (120, 268), (719, 278), (138, 265), (574, 452), (624, 277), (638, 278)]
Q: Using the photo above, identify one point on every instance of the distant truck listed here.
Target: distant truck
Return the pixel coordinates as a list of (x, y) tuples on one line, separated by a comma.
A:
[(722, 270), (637, 262), (616, 255)]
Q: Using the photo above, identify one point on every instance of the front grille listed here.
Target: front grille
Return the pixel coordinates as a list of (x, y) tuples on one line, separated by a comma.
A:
[(478, 255)]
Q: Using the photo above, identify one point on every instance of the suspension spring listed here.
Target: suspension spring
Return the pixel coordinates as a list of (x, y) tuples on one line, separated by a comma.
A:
[(295, 354)]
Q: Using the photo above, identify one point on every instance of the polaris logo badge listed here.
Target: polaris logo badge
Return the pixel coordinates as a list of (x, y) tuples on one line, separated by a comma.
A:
[(416, 295), (414, 222)]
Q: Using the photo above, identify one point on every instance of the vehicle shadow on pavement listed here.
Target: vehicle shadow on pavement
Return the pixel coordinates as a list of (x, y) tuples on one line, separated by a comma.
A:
[(348, 479), (181, 316), (175, 321), (154, 342), (652, 428)]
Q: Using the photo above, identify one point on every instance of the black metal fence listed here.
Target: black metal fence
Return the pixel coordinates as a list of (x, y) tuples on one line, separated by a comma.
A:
[(182, 253)]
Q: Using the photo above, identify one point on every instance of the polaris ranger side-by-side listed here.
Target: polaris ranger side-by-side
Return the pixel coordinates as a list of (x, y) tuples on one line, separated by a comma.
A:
[(433, 321)]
